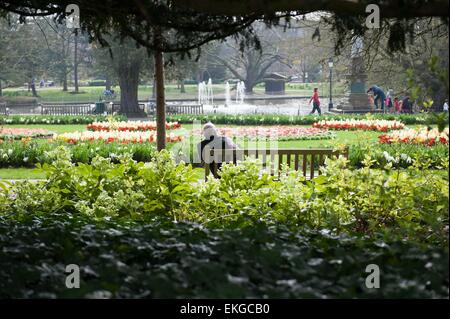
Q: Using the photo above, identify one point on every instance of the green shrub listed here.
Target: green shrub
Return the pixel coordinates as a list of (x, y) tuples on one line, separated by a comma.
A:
[(29, 154), (406, 203), (278, 119)]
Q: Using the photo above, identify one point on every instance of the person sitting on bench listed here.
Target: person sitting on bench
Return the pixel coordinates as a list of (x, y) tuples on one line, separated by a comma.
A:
[(213, 141)]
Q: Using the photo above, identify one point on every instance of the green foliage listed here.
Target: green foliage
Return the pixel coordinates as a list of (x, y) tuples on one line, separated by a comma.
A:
[(277, 119), (162, 259), (404, 204), (57, 119), (28, 154), (440, 119)]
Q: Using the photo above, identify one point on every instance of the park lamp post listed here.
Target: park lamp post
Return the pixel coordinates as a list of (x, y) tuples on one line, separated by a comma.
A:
[(330, 65), (306, 77)]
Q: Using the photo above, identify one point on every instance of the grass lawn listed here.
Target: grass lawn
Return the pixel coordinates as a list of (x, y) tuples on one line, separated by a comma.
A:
[(92, 94), (21, 173)]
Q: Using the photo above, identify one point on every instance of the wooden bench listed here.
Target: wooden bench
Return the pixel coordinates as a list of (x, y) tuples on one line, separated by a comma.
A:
[(174, 109), (307, 160), (67, 109)]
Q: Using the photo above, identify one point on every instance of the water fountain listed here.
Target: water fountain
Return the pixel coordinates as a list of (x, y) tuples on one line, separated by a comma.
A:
[(201, 93), (227, 94), (205, 93), (210, 92), (237, 105), (240, 92)]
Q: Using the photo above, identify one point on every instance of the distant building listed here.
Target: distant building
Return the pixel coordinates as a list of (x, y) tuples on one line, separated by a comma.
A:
[(275, 83)]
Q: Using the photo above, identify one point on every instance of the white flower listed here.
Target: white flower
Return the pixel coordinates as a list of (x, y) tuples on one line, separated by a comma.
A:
[(25, 159), (389, 158), (10, 151), (406, 158)]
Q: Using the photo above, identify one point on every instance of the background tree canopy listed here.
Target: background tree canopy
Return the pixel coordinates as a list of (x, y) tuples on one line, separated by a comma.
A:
[(190, 24)]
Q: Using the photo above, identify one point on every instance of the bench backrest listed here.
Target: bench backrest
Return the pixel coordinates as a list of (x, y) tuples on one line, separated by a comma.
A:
[(306, 160), (184, 109), (66, 109)]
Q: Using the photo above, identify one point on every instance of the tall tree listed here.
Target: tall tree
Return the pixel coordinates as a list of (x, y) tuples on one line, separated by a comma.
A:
[(127, 61), (249, 65)]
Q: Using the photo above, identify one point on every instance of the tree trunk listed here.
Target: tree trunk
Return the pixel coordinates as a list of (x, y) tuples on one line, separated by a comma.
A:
[(182, 88), (160, 101), (154, 88), (107, 83), (1, 89), (33, 88), (249, 87), (65, 82), (129, 84), (75, 62)]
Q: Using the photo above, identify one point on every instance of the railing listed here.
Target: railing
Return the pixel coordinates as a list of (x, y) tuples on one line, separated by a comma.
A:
[(308, 161)]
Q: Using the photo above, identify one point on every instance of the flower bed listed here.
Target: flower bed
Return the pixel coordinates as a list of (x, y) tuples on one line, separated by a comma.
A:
[(282, 133), (280, 119), (19, 133), (422, 136), (57, 119), (129, 126), (366, 125), (115, 136)]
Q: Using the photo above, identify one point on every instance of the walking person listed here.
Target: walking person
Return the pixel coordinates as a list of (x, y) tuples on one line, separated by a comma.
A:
[(397, 105), (406, 105), (380, 97), (316, 102)]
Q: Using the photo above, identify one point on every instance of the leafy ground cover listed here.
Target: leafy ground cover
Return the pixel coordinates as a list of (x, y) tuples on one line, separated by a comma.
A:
[(146, 230), (410, 203), (162, 259)]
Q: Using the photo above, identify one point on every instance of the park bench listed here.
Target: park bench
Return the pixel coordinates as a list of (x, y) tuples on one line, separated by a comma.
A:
[(307, 160), (175, 109), (66, 109)]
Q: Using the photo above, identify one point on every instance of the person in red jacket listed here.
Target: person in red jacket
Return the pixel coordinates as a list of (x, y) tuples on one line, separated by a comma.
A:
[(316, 102)]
